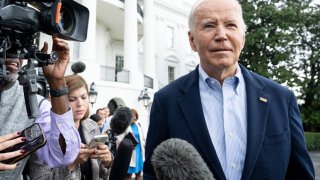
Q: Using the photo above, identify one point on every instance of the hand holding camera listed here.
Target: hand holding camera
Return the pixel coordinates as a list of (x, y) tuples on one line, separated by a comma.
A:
[(54, 73), (20, 20)]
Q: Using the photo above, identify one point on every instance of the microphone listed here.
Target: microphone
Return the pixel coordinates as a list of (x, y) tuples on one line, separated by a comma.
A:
[(120, 120), (121, 160), (177, 159), (78, 67)]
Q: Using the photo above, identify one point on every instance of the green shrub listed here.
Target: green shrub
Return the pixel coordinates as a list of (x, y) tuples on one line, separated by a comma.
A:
[(312, 140)]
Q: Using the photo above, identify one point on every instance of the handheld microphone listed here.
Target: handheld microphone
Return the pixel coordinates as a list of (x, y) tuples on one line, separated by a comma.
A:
[(177, 159), (120, 120), (78, 67), (121, 160)]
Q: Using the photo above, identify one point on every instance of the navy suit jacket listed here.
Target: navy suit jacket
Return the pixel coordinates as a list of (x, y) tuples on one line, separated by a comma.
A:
[(276, 147)]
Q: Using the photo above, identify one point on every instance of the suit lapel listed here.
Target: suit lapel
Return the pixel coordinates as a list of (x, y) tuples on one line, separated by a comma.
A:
[(191, 108), (257, 108)]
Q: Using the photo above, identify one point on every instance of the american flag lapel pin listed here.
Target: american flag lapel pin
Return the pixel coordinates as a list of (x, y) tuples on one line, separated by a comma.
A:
[(263, 99)]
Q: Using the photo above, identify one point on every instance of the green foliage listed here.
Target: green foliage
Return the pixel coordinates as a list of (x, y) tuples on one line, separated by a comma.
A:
[(312, 140), (283, 43), (311, 117)]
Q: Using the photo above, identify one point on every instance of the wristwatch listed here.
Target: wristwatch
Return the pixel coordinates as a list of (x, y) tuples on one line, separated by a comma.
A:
[(59, 92)]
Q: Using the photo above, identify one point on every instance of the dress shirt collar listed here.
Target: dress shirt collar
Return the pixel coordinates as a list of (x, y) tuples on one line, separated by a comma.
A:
[(213, 83)]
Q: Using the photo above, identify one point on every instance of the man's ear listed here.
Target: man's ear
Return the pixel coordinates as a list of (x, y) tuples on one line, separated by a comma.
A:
[(243, 41), (191, 41)]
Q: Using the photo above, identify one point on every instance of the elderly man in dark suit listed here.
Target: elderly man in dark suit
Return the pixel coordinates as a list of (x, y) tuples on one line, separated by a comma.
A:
[(243, 125)]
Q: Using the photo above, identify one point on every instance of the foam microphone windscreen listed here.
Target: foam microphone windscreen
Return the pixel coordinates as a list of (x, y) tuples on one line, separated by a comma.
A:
[(120, 120), (177, 159), (78, 67)]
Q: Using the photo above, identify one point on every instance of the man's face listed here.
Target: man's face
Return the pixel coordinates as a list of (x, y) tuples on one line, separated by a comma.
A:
[(107, 111), (218, 34), (13, 65), (102, 114)]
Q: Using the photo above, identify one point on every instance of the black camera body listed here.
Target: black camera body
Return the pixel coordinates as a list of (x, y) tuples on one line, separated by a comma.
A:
[(20, 21), (63, 18)]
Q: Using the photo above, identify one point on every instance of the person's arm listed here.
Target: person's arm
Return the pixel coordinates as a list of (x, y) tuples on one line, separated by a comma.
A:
[(55, 74), (300, 164), (155, 136), (63, 143), (54, 126)]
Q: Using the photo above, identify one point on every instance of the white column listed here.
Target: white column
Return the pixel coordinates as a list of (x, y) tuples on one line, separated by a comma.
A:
[(88, 48), (131, 42), (149, 56)]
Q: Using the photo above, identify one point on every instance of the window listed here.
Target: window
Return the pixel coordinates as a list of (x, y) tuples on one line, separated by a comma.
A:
[(169, 35), (170, 74), (119, 65), (107, 73)]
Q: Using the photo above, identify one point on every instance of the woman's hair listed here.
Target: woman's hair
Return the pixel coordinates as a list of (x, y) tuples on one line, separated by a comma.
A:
[(134, 112), (75, 82)]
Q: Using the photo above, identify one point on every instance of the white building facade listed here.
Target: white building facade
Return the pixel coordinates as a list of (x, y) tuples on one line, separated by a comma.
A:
[(132, 45)]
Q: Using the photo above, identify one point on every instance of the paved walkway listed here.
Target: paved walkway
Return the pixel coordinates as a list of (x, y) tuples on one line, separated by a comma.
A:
[(315, 156)]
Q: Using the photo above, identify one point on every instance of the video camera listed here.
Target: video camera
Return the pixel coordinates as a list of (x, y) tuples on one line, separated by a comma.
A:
[(20, 21)]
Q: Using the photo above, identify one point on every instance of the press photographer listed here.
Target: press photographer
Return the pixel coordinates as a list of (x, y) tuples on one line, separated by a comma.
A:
[(19, 23)]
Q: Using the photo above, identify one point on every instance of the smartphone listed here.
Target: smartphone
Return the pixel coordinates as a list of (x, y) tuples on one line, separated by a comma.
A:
[(35, 140), (98, 139), (132, 138)]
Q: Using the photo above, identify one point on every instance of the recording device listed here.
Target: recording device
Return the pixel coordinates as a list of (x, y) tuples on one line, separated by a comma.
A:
[(178, 159), (20, 20), (66, 19), (132, 138), (78, 67), (120, 121), (112, 145), (35, 140), (98, 139), (121, 160), (42, 84)]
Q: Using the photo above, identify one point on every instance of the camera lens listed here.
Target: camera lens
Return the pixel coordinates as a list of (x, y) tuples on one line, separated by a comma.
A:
[(67, 20)]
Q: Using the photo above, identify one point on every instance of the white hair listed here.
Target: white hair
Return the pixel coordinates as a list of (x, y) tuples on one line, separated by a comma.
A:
[(196, 5)]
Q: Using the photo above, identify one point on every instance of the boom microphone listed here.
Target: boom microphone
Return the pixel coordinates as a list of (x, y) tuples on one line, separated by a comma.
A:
[(121, 160), (78, 67), (120, 120), (179, 160)]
